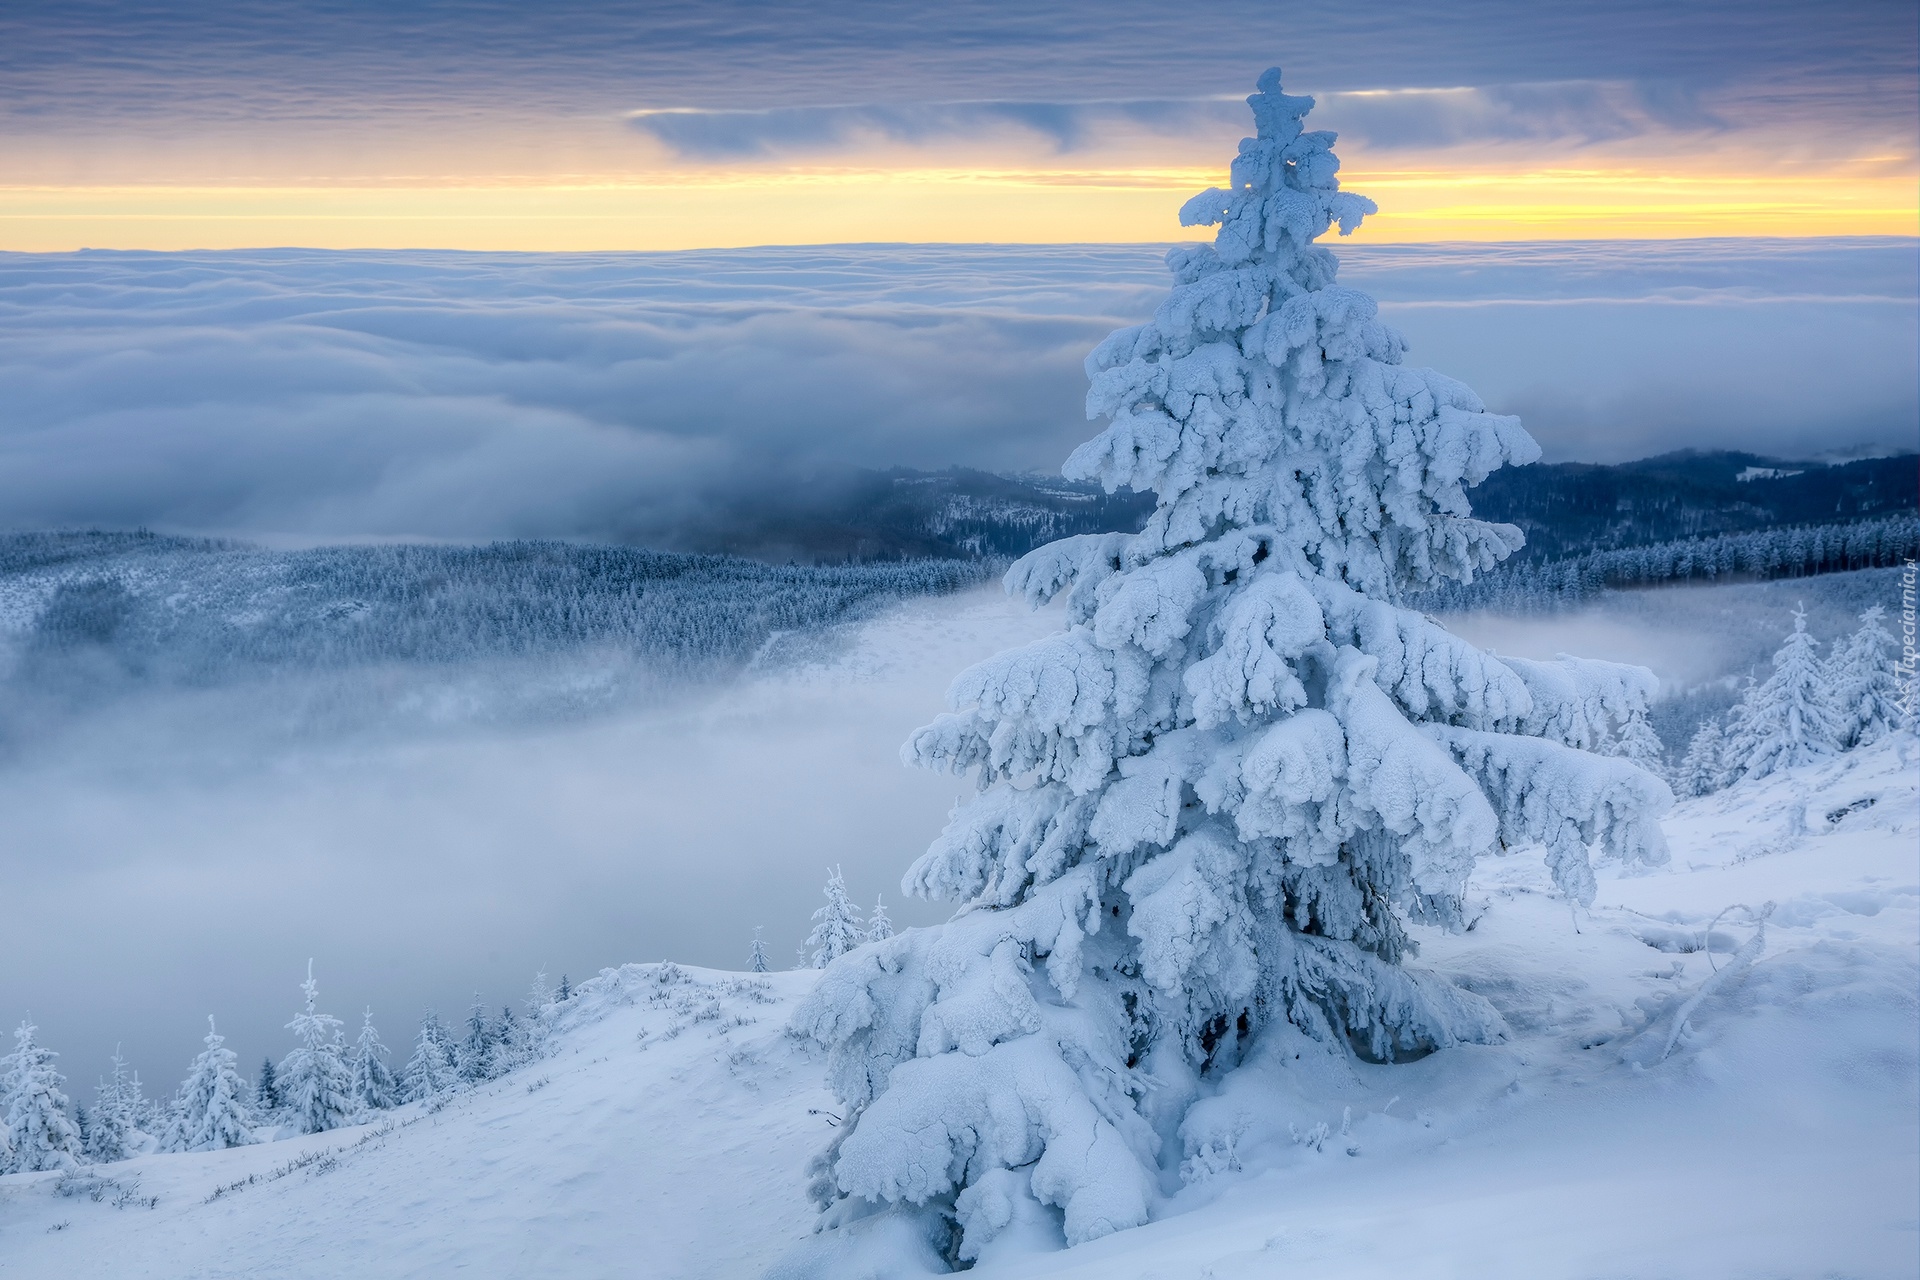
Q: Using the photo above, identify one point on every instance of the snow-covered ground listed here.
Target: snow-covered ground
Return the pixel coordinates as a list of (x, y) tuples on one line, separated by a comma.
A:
[(668, 1132)]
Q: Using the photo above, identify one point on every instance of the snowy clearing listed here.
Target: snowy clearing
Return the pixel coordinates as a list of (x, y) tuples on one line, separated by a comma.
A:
[(667, 1133)]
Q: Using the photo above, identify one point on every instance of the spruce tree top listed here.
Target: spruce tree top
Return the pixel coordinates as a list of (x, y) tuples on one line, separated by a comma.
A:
[(1266, 405)]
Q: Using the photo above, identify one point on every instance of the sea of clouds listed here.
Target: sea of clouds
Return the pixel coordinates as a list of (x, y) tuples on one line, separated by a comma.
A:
[(459, 395)]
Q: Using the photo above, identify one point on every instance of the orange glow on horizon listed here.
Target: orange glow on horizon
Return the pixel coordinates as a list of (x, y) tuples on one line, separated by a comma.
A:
[(722, 209)]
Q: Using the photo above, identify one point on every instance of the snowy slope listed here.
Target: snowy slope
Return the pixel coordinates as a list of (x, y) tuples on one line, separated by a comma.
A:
[(666, 1136), (668, 1133)]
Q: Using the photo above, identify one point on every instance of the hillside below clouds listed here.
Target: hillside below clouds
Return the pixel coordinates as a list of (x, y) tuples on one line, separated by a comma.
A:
[(667, 1132), (1565, 508)]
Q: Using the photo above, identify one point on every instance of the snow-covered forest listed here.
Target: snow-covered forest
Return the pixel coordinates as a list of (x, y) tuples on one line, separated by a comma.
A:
[(191, 611), (1538, 586)]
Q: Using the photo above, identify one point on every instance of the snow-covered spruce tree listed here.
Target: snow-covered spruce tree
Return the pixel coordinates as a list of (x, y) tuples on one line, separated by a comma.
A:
[(1866, 695), (211, 1111), (316, 1089), (757, 953), (879, 926), (1637, 742), (432, 1069), (836, 926), (39, 1130), (475, 1051), (1211, 805), (111, 1134), (1787, 719), (509, 1048), (371, 1081), (1699, 772), (266, 1090), (538, 1021)]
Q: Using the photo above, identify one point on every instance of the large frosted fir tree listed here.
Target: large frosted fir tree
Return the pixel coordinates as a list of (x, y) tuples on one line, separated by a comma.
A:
[(40, 1133), (212, 1111), (1212, 804), (316, 1088), (1787, 719)]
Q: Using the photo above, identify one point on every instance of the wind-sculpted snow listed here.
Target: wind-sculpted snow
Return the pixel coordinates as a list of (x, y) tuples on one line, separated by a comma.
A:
[(1209, 808)]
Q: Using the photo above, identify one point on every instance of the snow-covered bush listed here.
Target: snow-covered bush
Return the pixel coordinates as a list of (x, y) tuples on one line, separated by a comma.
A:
[(1213, 803), (39, 1133), (211, 1111)]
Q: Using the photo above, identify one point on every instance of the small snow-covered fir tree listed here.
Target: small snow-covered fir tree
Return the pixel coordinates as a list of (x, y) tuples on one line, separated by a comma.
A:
[(539, 1018), (475, 1056), (1636, 741), (879, 927), (757, 954), (1866, 694), (1208, 810), (1700, 770), (266, 1090), (371, 1080), (1787, 719), (836, 927), (316, 1087), (509, 1048), (144, 1110), (112, 1127), (40, 1133), (432, 1070), (211, 1111)]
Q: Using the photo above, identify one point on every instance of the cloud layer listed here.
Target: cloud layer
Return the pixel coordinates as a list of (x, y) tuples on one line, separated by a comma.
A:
[(472, 395), (250, 59), (1576, 113)]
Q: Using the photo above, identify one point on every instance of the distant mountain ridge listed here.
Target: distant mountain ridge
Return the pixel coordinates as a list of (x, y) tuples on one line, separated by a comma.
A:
[(1565, 508)]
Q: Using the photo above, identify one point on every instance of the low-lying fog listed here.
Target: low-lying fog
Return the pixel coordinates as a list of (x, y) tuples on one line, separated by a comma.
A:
[(175, 854), (160, 875)]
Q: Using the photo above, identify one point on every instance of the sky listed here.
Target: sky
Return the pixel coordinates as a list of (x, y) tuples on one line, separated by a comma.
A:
[(591, 125)]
